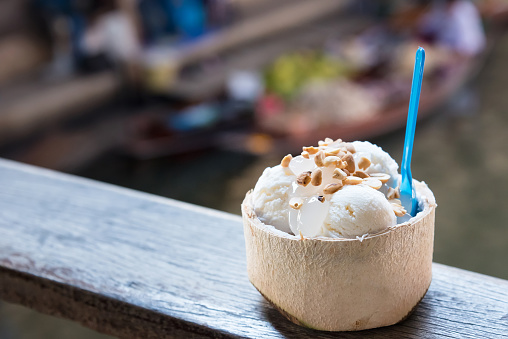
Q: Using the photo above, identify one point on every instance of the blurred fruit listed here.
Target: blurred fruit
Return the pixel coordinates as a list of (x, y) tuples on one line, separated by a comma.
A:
[(291, 72)]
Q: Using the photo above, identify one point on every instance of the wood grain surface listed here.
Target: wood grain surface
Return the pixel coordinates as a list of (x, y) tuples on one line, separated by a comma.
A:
[(136, 265)]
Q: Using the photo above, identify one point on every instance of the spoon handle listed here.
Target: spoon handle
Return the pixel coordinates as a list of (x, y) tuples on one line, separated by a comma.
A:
[(414, 100)]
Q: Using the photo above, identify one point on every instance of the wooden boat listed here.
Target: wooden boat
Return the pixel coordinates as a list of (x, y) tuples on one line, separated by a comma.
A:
[(392, 117)]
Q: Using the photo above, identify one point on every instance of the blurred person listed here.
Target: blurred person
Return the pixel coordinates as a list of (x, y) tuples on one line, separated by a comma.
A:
[(102, 33), (65, 24), (112, 41), (110, 32), (189, 17), (456, 25), (156, 20), (172, 20)]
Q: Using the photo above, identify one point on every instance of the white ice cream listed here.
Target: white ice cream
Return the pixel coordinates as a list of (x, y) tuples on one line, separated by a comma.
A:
[(382, 162), (354, 210), (357, 210), (271, 197)]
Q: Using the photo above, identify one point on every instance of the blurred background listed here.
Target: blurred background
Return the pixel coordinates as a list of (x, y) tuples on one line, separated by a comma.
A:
[(192, 99)]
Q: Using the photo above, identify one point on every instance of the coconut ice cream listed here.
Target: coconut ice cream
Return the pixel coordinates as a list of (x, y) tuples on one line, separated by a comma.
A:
[(337, 189), (358, 210), (328, 242)]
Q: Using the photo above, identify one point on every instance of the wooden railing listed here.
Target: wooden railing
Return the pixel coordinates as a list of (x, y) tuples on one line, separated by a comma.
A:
[(132, 264)]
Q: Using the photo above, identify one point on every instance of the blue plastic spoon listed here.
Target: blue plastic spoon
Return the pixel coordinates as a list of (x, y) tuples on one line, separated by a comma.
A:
[(407, 192)]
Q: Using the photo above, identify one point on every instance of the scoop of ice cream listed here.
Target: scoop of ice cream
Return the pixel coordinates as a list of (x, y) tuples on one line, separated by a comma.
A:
[(271, 197), (381, 162), (357, 210)]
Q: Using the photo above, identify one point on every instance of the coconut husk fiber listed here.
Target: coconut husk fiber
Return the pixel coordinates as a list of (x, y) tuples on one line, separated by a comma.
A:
[(342, 284)]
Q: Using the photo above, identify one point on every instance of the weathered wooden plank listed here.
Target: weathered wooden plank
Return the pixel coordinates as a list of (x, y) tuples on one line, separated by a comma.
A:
[(136, 265)]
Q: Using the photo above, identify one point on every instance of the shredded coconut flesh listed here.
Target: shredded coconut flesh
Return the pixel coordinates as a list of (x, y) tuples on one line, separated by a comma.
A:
[(336, 189)]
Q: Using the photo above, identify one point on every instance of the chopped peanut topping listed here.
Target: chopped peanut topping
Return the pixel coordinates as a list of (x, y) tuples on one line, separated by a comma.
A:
[(331, 160), (352, 180), (286, 160), (339, 174), (341, 164), (361, 174), (296, 203), (398, 209), (340, 156), (351, 148), (332, 188), (317, 177), (310, 149), (364, 163), (319, 158), (350, 163), (393, 193), (374, 183), (383, 177), (304, 178), (333, 151)]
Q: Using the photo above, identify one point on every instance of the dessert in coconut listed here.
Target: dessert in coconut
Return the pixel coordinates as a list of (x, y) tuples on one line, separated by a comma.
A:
[(328, 242)]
